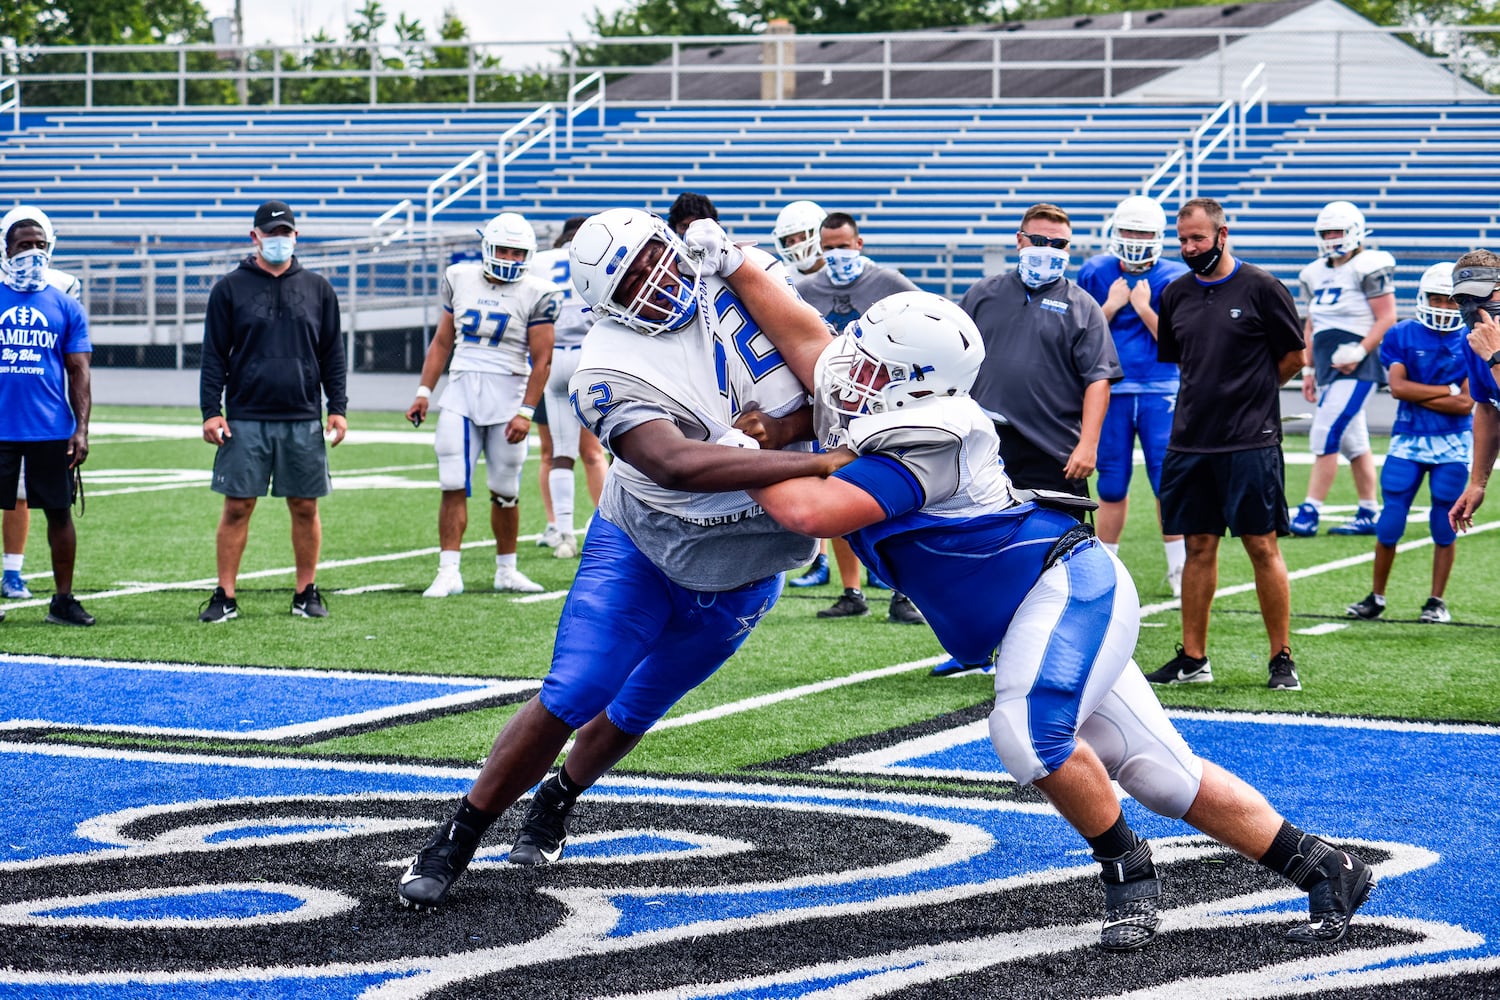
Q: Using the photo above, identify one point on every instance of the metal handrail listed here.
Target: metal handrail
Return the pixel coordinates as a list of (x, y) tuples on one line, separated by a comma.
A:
[(1200, 154), (531, 123), (404, 206), (12, 103), (1249, 101), (1179, 185), (576, 108), (475, 160)]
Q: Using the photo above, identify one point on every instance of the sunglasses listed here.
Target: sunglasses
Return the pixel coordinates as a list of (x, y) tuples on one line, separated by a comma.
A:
[(1037, 240)]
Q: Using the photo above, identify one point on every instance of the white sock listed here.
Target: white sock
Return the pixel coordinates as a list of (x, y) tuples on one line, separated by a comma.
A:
[(506, 561), (1176, 555), (1316, 504), (13, 561), (1369, 505), (1114, 547), (1380, 599), (561, 483), (449, 557)]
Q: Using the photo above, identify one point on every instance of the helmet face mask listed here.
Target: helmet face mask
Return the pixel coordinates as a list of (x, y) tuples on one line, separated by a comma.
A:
[(797, 234), (1145, 223), (628, 266), (1438, 280), (1340, 229), (508, 230)]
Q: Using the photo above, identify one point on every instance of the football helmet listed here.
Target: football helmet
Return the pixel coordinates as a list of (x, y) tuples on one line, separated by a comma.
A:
[(1437, 280), (1137, 214), (1343, 218), (27, 213), (510, 230), (602, 251), (797, 233), (907, 348)]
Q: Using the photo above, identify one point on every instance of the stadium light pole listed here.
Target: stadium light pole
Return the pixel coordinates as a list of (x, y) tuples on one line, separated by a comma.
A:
[(242, 85)]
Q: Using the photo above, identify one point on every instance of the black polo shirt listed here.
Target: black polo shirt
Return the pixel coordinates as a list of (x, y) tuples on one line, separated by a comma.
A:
[(1228, 338)]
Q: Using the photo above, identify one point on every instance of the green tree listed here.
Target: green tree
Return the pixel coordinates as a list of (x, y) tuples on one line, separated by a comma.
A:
[(656, 17), (851, 16)]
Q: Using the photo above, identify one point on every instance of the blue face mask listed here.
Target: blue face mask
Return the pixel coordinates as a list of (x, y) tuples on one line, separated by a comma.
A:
[(277, 249), (1041, 265), (844, 265), (26, 272)]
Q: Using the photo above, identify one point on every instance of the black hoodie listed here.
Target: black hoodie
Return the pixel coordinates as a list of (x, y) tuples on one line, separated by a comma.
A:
[(269, 343)]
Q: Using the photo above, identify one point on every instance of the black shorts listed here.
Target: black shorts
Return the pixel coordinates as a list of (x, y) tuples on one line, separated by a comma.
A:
[(1243, 491), (1031, 468), (49, 480)]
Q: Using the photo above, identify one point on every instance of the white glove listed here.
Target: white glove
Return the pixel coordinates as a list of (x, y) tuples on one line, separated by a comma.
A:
[(738, 439), (712, 250), (1349, 354)]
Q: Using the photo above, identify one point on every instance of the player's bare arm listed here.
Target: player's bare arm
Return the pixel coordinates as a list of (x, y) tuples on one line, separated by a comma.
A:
[(819, 508), (660, 450), (433, 365)]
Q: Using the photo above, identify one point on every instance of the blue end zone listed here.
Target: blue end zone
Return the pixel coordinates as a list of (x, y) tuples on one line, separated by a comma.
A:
[(242, 702)]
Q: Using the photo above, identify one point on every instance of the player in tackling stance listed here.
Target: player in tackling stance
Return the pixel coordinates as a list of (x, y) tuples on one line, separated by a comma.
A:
[(927, 504), (679, 565)]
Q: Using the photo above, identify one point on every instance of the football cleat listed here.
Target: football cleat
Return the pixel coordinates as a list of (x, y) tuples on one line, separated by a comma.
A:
[(1174, 581), (64, 609), (1183, 669), (550, 537), (953, 668), (431, 874), (449, 582), (1362, 524), (567, 546), (1131, 892), (508, 578), (1304, 521), (1283, 672), (218, 608), (308, 603), (816, 575), (1369, 609), (1434, 612), (12, 586), (851, 604), (544, 832), (1332, 902), (904, 612)]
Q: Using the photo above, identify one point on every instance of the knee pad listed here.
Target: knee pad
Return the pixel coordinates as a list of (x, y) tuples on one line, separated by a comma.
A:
[(1141, 749), (1165, 790), (504, 502), (1010, 735), (504, 462)]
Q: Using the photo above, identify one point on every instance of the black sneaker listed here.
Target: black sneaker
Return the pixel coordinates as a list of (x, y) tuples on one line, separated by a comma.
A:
[(1183, 669), (1434, 612), (1369, 609), (1283, 672), (218, 608), (65, 610), (308, 603), (851, 605), (544, 832), (904, 612), (1332, 902), (426, 881), (1131, 891)]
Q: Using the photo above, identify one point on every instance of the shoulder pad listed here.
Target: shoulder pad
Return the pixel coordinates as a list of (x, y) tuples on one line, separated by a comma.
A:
[(1370, 261)]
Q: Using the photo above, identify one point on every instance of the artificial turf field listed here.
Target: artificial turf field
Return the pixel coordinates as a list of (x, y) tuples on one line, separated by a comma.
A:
[(820, 818)]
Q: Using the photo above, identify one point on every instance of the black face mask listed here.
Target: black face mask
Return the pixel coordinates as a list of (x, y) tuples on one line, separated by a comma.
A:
[(1471, 308), (1203, 263)]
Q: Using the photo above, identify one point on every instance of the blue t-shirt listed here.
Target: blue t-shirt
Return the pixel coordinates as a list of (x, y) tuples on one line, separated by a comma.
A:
[(1430, 358), (36, 330), (1481, 382), (1135, 344)]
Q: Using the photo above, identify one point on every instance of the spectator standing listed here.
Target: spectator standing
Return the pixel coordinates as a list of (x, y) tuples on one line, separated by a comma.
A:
[(1234, 333), (272, 352), (45, 397), (1476, 292), (689, 207), (1049, 359), (1127, 282)]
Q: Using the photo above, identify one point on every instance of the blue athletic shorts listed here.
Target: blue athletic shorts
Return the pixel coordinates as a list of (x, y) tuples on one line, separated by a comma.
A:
[(1147, 415)]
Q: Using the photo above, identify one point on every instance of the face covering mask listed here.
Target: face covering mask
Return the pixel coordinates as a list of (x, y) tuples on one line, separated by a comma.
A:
[(1472, 309), (1041, 265), (844, 265), (1203, 263), (277, 249), (26, 272)]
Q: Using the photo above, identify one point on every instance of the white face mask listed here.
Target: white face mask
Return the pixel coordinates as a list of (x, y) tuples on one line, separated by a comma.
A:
[(277, 249), (844, 265), (26, 272), (1041, 265)]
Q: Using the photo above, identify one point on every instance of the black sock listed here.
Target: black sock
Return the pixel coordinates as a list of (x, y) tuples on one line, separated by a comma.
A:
[(1122, 855), (1297, 856), (564, 782), (472, 817), (1115, 842)]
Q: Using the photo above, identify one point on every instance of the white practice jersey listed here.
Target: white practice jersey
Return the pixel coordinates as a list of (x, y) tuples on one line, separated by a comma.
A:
[(64, 281), (1338, 297), (575, 318), (491, 321), (702, 377)]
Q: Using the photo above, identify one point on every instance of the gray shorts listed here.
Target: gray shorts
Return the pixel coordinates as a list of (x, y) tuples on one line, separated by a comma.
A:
[(288, 456)]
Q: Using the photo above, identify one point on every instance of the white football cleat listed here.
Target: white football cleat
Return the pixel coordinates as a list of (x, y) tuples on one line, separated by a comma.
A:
[(508, 578), (448, 583), (1174, 580), (550, 537), (567, 546)]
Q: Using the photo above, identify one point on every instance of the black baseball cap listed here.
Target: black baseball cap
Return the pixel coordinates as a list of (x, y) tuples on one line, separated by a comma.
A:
[(274, 213)]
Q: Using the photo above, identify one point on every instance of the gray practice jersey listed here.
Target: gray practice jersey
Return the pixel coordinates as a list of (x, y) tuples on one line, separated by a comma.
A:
[(841, 305), (701, 377)]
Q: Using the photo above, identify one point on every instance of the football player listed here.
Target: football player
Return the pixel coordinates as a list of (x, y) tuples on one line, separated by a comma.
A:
[(497, 327), (796, 235), (1127, 281), (1351, 303), (1007, 577), (679, 564)]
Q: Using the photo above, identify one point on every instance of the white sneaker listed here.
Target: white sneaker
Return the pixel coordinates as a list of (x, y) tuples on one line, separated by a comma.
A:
[(448, 583), (511, 579), (550, 537), (567, 546), (1174, 580)]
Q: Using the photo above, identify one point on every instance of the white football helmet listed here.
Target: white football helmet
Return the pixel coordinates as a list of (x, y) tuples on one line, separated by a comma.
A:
[(1437, 280), (601, 253), (907, 348), (797, 233), (34, 214), (1137, 214), (1341, 217), (510, 230)]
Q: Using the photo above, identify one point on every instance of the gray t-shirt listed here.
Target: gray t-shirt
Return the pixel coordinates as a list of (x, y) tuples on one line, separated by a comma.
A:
[(1043, 348), (843, 304)]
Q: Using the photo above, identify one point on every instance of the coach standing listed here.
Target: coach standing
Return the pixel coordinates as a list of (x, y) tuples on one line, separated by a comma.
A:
[(1234, 333), (271, 342)]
